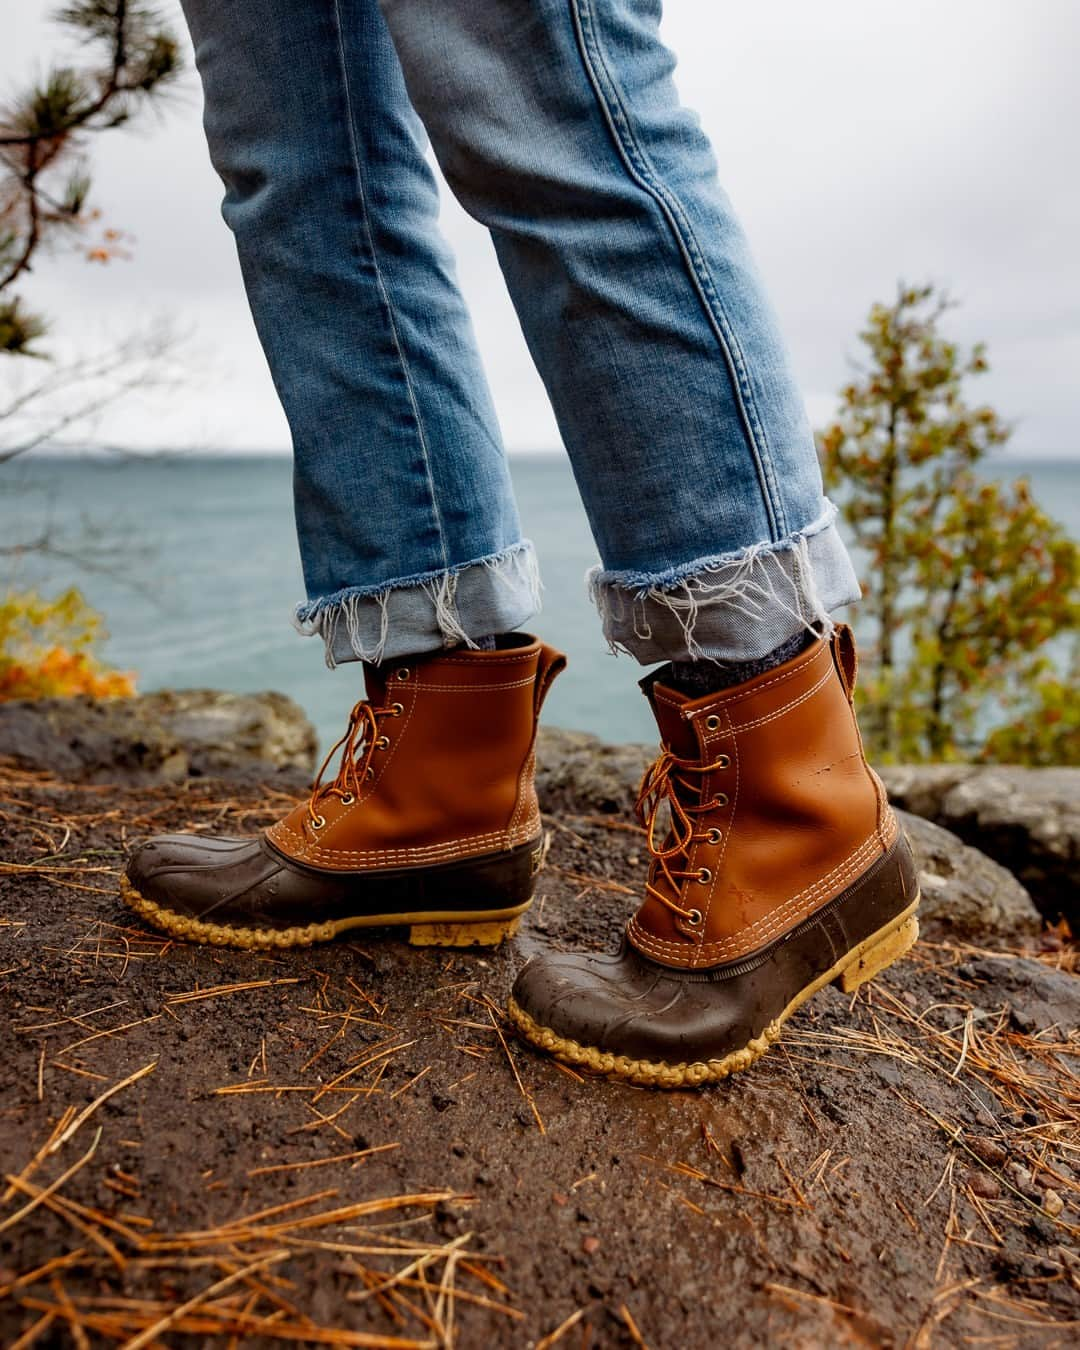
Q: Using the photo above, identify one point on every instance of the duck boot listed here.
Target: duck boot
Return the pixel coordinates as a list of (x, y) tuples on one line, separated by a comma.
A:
[(432, 820), (782, 869)]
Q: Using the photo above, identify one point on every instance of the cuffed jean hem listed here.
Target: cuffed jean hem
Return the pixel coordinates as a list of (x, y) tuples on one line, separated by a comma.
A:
[(732, 607), (431, 610)]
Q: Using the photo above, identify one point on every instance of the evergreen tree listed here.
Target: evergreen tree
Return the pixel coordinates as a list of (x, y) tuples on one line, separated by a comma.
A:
[(971, 581)]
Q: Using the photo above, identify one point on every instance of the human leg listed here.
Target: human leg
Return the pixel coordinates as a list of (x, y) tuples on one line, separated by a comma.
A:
[(408, 530), (559, 127), (781, 866)]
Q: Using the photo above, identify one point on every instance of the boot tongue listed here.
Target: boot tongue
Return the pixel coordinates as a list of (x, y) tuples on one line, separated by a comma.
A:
[(678, 735), (675, 731), (375, 679)]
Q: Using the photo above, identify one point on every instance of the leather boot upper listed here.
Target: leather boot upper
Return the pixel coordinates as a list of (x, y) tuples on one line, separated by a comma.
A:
[(432, 816), (774, 810), (446, 768)]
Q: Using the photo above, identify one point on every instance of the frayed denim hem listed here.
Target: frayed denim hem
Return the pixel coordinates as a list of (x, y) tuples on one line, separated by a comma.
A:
[(451, 607), (731, 607)]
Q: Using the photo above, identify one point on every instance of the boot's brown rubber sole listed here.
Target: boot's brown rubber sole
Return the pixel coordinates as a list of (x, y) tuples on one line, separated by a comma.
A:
[(865, 960), (428, 928)]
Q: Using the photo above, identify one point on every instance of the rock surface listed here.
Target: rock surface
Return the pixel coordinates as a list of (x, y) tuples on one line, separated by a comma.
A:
[(965, 893), (577, 771), (1026, 819), (804, 1203), (161, 737)]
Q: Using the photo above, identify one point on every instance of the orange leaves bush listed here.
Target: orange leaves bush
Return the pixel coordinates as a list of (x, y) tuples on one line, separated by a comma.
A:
[(47, 649)]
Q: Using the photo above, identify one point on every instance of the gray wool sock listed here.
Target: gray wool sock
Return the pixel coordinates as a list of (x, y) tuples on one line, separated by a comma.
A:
[(698, 678)]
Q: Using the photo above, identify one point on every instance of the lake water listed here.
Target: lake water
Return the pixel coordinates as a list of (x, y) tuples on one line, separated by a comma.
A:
[(197, 572)]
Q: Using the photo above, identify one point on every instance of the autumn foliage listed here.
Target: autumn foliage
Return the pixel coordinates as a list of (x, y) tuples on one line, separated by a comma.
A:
[(972, 588), (47, 649)]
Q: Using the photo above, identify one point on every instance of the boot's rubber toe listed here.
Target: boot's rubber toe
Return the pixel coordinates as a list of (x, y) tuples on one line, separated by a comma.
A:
[(245, 893), (214, 891), (629, 1016)]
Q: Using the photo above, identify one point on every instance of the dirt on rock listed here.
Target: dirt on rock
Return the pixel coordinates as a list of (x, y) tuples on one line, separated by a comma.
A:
[(346, 1146)]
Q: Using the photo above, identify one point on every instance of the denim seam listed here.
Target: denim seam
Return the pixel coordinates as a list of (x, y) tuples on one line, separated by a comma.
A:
[(644, 174), (381, 281)]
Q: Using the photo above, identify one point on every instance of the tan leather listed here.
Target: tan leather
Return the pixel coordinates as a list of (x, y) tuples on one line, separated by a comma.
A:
[(804, 814), (452, 773)]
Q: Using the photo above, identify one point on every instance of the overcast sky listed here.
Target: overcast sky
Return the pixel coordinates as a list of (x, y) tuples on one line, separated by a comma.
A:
[(860, 140)]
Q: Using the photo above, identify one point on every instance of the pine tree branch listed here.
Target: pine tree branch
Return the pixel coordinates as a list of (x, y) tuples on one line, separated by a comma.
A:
[(49, 122)]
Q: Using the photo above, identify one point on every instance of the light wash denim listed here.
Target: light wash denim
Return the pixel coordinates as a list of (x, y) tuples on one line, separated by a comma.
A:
[(557, 125)]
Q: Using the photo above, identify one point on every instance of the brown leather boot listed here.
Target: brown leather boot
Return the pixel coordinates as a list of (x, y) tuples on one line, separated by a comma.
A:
[(432, 820), (783, 869)]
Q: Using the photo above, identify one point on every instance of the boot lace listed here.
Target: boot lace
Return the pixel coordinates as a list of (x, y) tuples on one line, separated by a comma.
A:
[(358, 745), (664, 781)]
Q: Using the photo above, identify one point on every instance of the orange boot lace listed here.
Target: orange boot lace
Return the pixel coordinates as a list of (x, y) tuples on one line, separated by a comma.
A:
[(664, 781), (358, 745)]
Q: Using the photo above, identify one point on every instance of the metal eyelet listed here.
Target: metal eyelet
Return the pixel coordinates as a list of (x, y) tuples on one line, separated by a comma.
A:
[(714, 836), (348, 799), (403, 673), (721, 799), (382, 743), (712, 722), (704, 875), (396, 709), (318, 822), (370, 772), (695, 918), (723, 761)]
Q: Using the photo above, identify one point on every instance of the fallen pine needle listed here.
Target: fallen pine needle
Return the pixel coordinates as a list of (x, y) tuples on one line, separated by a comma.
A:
[(406, 1086), (31, 1334), (321, 1162), (513, 1068), (85, 1115), (632, 1327), (68, 1210), (434, 1254), (561, 1330), (219, 990), (49, 1190), (163, 1323), (783, 1289), (40, 1272), (109, 1031)]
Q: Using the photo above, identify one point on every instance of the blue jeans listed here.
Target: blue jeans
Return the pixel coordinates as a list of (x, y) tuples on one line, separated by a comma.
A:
[(557, 125)]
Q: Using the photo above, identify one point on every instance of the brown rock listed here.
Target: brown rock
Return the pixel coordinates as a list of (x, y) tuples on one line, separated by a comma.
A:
[(1026, 819), (160, 737), (964, 893), (988, 1151), (984, 1185)]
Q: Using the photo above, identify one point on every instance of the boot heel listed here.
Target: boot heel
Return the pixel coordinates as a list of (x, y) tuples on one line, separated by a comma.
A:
[(483, 934), (879, 952)]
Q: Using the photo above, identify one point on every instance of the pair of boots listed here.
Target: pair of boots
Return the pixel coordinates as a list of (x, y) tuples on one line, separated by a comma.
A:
[(780, 867)]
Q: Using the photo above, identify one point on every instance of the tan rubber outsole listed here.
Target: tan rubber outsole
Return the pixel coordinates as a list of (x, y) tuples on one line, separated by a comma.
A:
[(427, 928), (873, 955)]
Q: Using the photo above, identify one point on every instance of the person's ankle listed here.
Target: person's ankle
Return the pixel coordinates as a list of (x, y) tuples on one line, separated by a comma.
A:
[(698, 678)]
